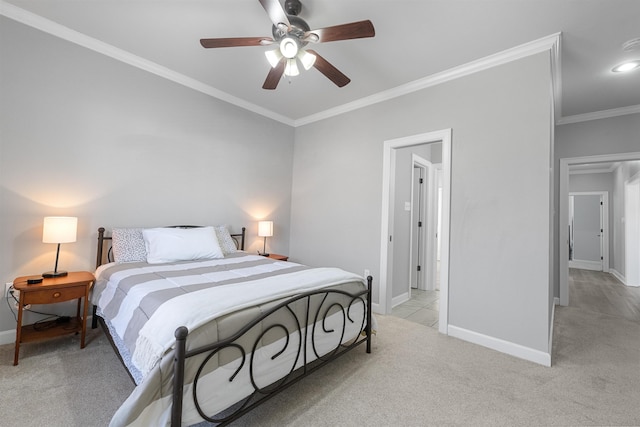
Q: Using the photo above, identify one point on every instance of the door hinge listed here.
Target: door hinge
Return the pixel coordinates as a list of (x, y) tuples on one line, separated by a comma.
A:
[(419, 223), (421, 180), (601, 258), (390, 238), (419, 268)]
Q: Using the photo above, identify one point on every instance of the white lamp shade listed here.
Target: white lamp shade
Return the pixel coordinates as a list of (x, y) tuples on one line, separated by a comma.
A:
[(273, 56), (265, 228), (291, 69), (59, 229), (307, 59)]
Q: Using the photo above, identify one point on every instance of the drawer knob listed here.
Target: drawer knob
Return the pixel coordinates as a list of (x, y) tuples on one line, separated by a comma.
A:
[(56, 294)]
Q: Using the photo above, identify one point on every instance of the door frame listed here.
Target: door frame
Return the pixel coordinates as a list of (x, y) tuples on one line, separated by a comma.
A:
[(563, 221), (388, 172), (604, 225), (631, 225)]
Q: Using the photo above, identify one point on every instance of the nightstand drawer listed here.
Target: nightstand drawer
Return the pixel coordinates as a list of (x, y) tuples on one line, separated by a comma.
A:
[(51, 296)]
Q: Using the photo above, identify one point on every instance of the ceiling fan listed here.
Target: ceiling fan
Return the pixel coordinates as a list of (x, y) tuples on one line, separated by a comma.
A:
[(291, 35)]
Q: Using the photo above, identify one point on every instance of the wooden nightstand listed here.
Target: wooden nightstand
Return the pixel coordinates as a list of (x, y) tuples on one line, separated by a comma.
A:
[(278, 257), (75, 285)]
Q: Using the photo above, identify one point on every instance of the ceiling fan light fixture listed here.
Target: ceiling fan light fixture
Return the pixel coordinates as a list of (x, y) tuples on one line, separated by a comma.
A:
[(289, 47), (626, 66), (291, 69), (273, 56), (307, 59)]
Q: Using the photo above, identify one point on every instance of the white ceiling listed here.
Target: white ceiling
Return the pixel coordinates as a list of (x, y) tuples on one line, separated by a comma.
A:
[(414, 39)]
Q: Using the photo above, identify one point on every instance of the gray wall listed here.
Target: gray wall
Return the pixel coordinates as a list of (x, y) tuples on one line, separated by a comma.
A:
[(87, 136), (500, 195), (613, 135)]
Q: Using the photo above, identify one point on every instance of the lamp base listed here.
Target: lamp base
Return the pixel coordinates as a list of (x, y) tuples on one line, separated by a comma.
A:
[(49, 274)]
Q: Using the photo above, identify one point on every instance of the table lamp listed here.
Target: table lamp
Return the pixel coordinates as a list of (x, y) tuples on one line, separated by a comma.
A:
[(59, 229), (265, 229)]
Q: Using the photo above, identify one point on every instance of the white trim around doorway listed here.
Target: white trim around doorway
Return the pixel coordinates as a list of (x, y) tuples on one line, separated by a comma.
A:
[(388, 172)]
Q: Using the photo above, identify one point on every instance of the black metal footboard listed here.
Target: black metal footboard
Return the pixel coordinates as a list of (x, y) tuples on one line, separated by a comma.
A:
[(318, 306)]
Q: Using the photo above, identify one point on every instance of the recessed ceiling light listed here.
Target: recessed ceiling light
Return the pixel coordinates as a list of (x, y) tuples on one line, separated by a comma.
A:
[(626, 66)]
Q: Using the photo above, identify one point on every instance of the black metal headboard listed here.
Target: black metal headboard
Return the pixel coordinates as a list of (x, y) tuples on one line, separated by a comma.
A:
[(238, 238)]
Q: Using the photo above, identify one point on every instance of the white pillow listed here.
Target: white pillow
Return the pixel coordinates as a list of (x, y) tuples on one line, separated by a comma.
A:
[(181, 244)]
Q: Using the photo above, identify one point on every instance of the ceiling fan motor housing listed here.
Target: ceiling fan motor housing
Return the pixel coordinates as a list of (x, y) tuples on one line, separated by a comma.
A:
[(292, 7), (298, 29)]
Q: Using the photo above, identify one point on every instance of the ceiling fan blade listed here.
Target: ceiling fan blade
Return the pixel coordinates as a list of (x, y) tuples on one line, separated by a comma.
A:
[(275, 73), (353, 30), (236, 41), (329, 70), (276, 13)]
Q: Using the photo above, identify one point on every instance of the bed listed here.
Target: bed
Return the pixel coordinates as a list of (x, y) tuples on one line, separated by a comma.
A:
[(208, 331)]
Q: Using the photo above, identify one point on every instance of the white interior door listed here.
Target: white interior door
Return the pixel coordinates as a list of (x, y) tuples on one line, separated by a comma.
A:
[(417, 228), (586, 231)]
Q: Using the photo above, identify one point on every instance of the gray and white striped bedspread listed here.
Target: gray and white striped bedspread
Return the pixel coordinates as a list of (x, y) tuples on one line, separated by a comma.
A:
[(146, 303)]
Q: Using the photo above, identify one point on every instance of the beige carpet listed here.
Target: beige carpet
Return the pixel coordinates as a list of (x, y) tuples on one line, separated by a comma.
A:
[(414, 377)]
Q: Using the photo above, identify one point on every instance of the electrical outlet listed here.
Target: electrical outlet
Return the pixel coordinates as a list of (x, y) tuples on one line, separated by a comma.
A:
[(7, 286), (366, 273)]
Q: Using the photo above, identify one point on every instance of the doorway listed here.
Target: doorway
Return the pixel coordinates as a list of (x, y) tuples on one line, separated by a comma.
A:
[(387, 246), (563, 232), (589, 230)]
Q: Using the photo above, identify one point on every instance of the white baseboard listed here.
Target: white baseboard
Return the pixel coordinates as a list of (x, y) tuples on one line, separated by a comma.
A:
[(400, 299), (586, 265), (517, 350), (618, 276), (8, 337), (556, 301), (375, 308)]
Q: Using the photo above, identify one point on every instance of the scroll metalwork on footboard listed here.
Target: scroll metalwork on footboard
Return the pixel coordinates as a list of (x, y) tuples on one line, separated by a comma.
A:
[(302, 324)]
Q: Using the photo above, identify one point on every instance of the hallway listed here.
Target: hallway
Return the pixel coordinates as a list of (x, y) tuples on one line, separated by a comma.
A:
[(603, 293), (588, 290)]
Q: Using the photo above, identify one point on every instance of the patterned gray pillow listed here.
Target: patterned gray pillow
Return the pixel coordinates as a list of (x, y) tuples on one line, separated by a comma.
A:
[(227, 244), (128, 245)]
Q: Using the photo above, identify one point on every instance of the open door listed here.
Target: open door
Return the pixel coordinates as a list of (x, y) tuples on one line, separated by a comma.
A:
[(586, 231)]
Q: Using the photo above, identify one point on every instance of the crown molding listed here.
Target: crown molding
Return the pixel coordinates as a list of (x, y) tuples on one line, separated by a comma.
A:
[(550, 43), (604, 114), (50, 27)]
